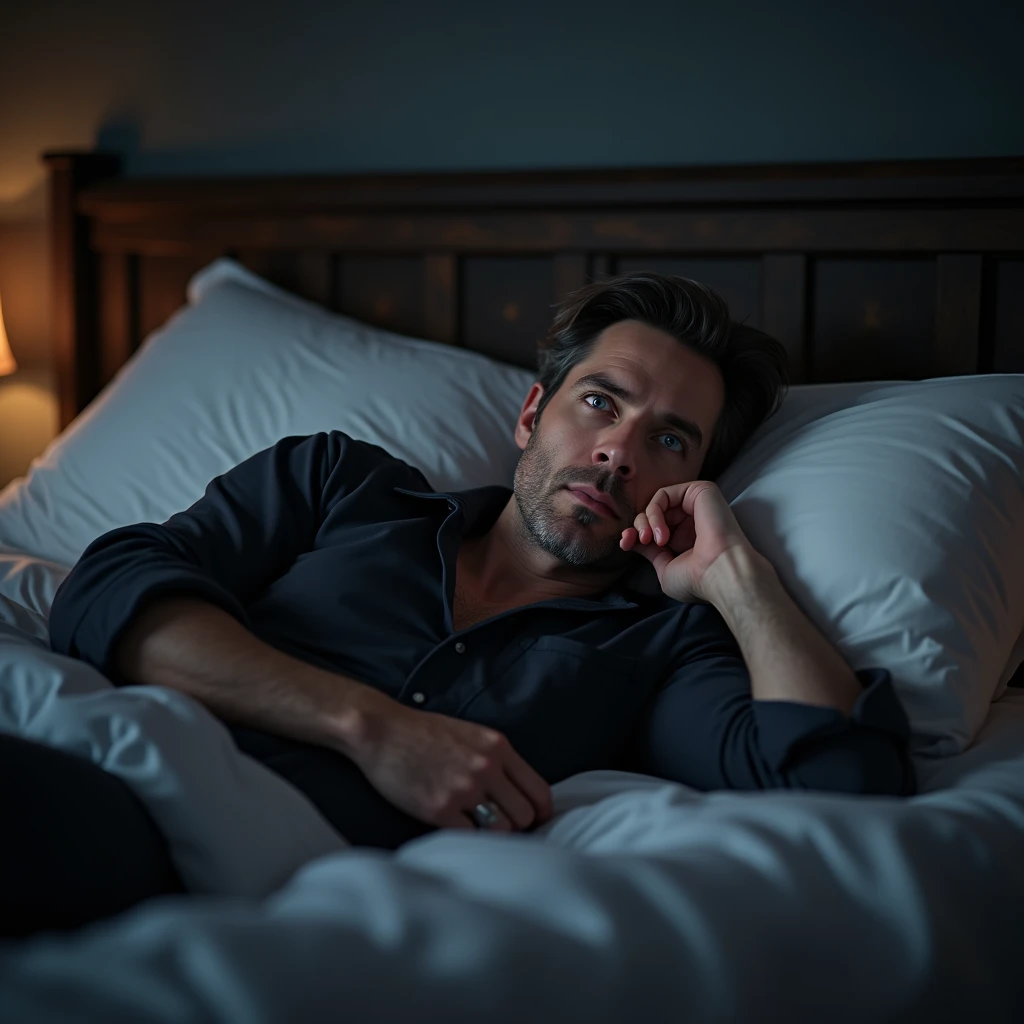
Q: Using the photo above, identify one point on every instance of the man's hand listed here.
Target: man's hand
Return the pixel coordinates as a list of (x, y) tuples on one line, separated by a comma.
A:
[(682, 532), (438, 769)]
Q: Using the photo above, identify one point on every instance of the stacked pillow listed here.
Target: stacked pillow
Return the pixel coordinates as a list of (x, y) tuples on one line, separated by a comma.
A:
[(241, 366), (894, 515), (892, 511)]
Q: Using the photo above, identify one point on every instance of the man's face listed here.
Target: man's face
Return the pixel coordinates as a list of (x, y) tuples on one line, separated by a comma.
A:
[(618, 425)]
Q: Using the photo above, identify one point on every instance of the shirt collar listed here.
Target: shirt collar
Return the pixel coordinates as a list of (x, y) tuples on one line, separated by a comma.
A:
[(481, 506)]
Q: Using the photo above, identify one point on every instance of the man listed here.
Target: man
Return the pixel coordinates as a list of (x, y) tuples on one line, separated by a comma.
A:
[(414, 660)]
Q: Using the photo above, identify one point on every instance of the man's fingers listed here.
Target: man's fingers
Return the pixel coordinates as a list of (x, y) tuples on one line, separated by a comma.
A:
[(658, 528), (532, 785), (655, 525), (660, 518), (642, 527), (506, 794), (663, 518), (630, 539), (675, 515)]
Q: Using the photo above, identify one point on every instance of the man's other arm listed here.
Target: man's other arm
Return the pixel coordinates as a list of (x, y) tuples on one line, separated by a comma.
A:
[(434, 767), (166, 605), (189, 644), (244, 533), (759, 699)]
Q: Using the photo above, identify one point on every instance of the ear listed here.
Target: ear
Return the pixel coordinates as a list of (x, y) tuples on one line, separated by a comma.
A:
[(528, 414)]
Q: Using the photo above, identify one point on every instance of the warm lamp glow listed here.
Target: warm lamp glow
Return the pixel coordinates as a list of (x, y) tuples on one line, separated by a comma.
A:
[(7, 363)]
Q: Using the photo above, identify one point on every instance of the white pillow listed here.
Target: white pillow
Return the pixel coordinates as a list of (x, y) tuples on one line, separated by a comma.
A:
[(240, 367), (894, 514)]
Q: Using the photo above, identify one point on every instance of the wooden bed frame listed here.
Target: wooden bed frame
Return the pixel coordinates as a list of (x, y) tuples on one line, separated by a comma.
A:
[(880, 271)]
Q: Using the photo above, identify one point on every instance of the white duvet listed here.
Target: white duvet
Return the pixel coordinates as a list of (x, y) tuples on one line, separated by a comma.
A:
[(642, 900)]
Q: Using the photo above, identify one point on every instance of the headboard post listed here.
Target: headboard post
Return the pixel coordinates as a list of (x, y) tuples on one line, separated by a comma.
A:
[(74, 264)]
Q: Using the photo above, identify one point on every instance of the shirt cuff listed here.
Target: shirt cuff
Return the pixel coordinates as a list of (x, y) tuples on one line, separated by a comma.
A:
[(104, 618), (784, 726)]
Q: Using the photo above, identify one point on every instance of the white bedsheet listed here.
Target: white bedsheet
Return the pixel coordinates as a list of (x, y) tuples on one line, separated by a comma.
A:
[(642, 900)]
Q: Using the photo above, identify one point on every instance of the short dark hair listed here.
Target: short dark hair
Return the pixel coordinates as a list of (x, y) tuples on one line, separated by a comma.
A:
[(753, 364)]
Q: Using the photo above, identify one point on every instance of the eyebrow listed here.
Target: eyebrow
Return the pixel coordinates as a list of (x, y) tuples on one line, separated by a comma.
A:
[(599, 380)]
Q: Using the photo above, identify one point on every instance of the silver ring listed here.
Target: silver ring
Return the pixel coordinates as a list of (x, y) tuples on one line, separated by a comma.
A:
[(486, 814)]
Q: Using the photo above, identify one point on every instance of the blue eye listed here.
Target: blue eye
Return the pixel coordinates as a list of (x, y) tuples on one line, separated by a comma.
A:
[(679, 446)]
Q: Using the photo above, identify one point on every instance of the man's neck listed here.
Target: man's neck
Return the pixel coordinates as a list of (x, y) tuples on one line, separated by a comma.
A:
[(505, 566)]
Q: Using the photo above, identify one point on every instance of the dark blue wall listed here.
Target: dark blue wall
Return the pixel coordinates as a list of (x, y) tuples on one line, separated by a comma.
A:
[(224, 86), (395, 84)]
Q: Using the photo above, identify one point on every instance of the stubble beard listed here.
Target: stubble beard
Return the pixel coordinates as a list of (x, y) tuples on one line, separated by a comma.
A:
[(564, 536)]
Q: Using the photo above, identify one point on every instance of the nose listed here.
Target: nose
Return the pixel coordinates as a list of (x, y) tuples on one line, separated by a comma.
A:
[(615, 453)]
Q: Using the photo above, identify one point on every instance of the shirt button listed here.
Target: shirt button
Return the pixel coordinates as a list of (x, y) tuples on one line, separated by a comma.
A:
[(419, 698), (460, 648)]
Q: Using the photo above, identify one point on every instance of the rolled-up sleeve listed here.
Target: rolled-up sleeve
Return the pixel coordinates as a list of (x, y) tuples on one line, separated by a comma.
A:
[(246, 530), (704, 728)]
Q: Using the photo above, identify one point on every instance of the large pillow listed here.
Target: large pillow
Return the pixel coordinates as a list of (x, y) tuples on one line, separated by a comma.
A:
[(241, 366), (894, 514)]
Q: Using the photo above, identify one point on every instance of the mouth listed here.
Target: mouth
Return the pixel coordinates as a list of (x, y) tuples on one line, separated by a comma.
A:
[(594, 499)]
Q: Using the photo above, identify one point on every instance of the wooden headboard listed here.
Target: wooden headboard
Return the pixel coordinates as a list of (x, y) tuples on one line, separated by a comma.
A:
[(874, 271)]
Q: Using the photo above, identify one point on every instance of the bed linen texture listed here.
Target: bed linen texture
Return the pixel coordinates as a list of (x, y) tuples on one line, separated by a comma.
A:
[(233, 826), (641, 900)]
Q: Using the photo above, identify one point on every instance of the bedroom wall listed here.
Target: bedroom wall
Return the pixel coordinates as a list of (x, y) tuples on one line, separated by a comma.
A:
[(215, 87)]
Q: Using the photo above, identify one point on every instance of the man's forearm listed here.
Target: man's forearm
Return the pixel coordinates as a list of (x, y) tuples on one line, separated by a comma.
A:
[(191, 645), (787, 656)]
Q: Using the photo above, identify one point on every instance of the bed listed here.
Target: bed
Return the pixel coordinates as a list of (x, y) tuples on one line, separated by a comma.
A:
[(197, 321)]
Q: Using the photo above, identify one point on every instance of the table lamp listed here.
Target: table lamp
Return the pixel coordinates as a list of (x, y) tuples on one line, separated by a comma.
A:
[(7, 363)]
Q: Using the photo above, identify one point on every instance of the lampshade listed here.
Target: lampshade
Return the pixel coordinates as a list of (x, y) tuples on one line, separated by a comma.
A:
[(7, 363)]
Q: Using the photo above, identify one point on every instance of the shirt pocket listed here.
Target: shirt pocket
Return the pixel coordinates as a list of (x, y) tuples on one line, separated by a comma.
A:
[(565, 705)]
